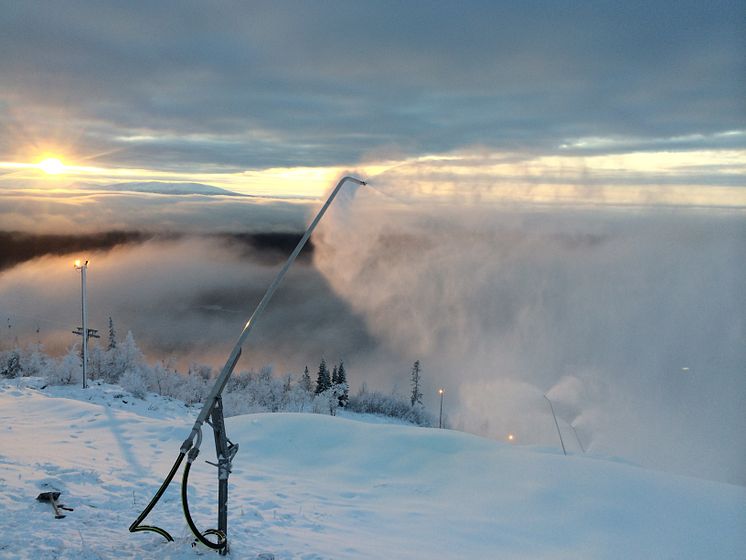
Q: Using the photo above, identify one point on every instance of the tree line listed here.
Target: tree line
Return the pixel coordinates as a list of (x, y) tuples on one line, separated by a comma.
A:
[(121, 362)]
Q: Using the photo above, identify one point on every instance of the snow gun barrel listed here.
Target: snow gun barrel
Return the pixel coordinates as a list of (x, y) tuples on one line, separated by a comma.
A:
[(213, 409), (230, 364)]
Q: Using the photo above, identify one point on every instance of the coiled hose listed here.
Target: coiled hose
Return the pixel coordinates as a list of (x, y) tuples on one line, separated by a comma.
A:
[(201, 536), (222, 541)]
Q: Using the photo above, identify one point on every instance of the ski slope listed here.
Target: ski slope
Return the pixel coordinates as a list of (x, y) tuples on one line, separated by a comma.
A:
[(310, 487)]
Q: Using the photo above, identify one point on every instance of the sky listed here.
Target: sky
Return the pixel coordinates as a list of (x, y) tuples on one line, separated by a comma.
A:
[(556, 201), (279, 99)]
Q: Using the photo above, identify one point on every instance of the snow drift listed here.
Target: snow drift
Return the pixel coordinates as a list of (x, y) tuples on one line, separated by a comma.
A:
[(313, 486)]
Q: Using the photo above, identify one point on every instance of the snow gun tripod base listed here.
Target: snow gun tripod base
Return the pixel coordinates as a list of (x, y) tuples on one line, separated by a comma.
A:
[(225, 450), (212, 415)]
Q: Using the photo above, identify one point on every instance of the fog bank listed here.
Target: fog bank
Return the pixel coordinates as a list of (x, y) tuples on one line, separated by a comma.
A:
[(630, 320)]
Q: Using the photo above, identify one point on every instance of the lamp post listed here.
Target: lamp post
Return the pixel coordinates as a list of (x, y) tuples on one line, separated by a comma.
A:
[(83, 267), (441, 392)]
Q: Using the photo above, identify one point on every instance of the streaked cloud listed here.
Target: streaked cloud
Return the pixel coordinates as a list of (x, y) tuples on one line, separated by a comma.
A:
[(74, 210), (176, 87)]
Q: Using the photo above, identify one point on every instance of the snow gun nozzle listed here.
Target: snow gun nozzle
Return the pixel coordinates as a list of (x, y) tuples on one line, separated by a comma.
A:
[(353, 180)]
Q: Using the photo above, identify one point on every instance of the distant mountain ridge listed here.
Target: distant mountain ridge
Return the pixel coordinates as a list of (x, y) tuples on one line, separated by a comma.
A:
[(158, 187)]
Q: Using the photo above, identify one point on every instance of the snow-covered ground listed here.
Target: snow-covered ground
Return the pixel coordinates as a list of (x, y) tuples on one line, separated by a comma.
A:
[(313, 486)]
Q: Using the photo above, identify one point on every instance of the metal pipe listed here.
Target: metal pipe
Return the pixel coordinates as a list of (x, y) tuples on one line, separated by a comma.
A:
[(556, 424), (230, 364), (225, 449), (577, 438)]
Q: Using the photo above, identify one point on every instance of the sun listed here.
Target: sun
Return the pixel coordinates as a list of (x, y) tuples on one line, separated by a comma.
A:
[(51, 166)]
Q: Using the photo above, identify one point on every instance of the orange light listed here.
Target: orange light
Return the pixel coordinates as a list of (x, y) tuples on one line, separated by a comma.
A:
[(511, 437)]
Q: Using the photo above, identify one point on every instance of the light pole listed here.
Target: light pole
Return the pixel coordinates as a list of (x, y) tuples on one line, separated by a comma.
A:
[(441, 392), (83, 267), (556, 424)]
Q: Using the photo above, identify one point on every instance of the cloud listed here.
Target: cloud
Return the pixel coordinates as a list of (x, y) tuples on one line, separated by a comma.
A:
[(252, 86), (77, 211)]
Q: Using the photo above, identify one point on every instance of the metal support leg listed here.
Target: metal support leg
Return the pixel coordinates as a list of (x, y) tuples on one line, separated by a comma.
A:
[(225, 451)]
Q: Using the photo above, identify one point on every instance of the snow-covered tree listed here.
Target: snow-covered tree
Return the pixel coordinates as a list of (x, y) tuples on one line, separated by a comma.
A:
[(268, 391), (123, 357), (201, 370), (305, 381), (33, 361), (98, 362), (392, 405), (327, 401), (343, 386), (164, 379), (112, 338), (135, 382), (323, 380), (10, 363), (297, 398), (416, 397), (68, 370), (193, 390)]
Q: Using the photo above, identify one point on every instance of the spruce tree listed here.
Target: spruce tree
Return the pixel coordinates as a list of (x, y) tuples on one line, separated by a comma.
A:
[(112, 336), (335, 379), (416, 393), (305, 381), (323, 380), (344, 395)]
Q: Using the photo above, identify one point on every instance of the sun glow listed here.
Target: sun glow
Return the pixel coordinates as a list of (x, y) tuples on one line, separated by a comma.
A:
[(51, 166)]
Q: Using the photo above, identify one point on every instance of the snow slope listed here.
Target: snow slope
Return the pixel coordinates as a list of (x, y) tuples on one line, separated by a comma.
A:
[(311, 486)]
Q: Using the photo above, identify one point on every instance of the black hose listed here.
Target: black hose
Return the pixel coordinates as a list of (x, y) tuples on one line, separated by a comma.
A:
[(222, 541), (136, 524)]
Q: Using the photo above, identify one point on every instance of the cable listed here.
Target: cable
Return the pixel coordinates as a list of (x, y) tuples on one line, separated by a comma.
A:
[(136, 524), (222, 541)]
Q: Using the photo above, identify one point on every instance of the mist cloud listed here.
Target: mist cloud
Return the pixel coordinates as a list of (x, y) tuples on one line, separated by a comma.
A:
[(187, 298), (600, 309)]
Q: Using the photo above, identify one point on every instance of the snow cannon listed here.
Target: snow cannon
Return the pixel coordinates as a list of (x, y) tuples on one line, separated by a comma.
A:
[(212, 414)]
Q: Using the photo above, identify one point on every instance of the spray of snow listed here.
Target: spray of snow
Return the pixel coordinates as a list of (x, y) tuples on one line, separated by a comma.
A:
[(600, 308)]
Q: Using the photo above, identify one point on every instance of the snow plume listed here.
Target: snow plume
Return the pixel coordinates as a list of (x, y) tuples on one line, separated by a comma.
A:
[(630, 320)]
